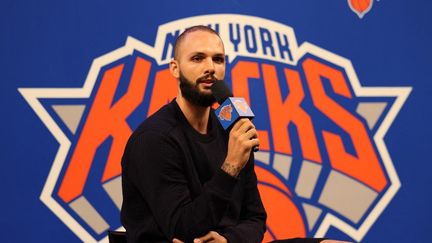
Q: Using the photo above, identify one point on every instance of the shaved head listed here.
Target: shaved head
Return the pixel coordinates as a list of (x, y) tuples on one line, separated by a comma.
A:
[(181, 37)]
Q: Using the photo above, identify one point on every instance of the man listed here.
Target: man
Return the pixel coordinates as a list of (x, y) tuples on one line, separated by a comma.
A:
[(185, 178)]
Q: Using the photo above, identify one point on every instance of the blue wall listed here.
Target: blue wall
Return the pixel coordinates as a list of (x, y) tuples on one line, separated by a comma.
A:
[(52, 44)]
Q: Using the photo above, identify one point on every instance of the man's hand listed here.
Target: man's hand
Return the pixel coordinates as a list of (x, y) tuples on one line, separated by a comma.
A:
[(242, 138), (212, 237)]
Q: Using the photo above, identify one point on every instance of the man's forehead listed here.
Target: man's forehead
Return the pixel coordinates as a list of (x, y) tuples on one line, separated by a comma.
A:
[(201, 42), (200, 33)]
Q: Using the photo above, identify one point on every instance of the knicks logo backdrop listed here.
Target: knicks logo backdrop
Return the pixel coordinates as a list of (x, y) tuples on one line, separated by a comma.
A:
[(322, 161)]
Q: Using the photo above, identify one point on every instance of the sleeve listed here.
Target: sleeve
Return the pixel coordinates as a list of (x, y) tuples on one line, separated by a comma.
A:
[(252, 225), (156, 167)]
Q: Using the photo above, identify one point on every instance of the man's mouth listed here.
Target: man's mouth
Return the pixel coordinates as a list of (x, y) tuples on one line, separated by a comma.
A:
[(207, 81)]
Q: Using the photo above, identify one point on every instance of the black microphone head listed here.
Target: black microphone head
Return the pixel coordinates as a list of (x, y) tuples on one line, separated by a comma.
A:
[(220, 91)]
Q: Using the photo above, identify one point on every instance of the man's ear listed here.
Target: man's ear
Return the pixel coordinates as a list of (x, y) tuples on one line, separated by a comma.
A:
[(174, 68)]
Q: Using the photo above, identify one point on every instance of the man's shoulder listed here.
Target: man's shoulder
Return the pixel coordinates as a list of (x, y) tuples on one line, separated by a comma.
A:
[(161, 122), (154, 136)]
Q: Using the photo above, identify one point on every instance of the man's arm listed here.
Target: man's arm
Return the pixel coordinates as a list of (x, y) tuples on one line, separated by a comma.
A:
[(252, 225)]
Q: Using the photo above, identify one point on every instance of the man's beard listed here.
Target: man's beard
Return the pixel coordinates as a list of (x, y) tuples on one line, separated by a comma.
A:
[(192, 94)]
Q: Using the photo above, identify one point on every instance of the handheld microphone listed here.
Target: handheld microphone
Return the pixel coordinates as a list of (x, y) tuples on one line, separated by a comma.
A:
[(231, 108)]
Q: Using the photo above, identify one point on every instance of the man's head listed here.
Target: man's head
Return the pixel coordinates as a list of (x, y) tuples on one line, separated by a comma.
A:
[(199, 61)]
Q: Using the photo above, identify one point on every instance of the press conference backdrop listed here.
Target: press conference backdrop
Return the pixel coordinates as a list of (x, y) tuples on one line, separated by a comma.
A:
[(340, 90)]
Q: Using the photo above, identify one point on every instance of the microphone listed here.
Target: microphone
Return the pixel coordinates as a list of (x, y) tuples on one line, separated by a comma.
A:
[(231, 108)]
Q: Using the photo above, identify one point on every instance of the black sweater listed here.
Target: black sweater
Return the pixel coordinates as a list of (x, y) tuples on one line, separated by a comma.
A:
[(173, 186)]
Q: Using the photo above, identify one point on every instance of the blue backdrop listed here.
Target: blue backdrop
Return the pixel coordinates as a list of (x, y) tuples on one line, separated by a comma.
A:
[(52, 44)]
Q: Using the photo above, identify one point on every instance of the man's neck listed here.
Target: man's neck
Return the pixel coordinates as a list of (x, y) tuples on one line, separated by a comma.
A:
[(197, 116)]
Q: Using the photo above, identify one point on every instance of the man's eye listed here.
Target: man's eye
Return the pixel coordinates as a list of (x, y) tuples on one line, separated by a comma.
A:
[(219, 59), (197, 58)]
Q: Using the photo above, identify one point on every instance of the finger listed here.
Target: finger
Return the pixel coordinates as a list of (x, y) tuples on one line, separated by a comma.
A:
[(238, 124), (251, 134), (246, 126), (251, 140), (254, 142), (218, 238), (214, 237), (177, 241), (204, 238)]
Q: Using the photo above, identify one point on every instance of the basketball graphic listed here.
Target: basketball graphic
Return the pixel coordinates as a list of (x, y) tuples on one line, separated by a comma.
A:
[(279, 207)]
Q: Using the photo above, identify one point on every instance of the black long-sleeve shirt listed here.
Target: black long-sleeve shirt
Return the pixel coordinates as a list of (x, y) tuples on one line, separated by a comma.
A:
[(173, 186)]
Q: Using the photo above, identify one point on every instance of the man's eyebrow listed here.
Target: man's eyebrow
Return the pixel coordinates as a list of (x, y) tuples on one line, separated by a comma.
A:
[(219, 55), (197, 53), (204, 54)]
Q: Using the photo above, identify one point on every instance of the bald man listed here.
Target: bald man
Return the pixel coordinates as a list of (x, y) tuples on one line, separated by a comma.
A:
[(186, 179)]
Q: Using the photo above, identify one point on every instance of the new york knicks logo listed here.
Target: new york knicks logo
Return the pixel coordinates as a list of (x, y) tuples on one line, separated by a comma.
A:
[(322, 161), (225, 113), (239, 105)]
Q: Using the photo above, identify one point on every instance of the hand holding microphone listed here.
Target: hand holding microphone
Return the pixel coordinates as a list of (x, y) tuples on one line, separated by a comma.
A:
[(235, 115)]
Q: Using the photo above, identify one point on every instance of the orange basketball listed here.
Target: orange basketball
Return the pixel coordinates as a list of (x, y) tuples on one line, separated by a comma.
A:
[(283, 217)]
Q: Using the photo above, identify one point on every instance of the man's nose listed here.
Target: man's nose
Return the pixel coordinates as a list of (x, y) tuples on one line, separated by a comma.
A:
[(210, 67)]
